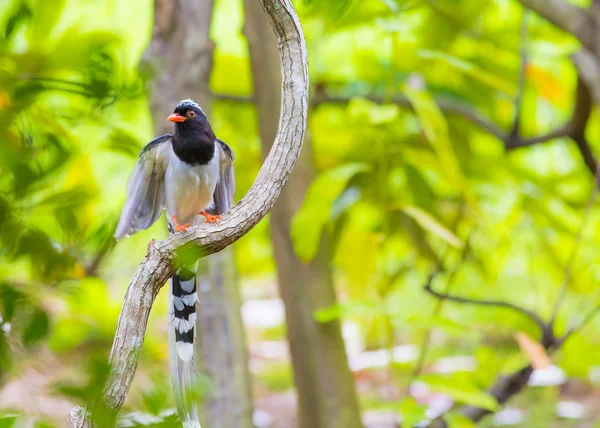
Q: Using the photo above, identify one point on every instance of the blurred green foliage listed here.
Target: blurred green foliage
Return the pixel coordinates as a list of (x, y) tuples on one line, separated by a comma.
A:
[(401, 189)]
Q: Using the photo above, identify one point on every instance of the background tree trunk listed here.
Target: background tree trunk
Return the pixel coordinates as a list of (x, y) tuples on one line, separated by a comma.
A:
[(324, 382), (181, 43)]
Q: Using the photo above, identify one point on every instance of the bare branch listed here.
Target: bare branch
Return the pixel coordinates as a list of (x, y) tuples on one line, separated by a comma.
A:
[(504, 388), (520, 142), (578, 124), (455, 107), (447, 105), (161, 259), (574, 129), (588, 66), (507, 386), (466, 250), (496, 303)]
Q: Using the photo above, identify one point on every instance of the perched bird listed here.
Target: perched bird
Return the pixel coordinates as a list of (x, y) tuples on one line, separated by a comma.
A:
[(190, 174)]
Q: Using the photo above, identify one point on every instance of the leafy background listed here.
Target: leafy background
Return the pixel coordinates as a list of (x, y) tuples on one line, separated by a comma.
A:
[(403, 188)]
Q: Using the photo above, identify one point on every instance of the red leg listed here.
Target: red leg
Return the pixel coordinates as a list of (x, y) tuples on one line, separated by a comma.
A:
[(178, 227), (210, 218)]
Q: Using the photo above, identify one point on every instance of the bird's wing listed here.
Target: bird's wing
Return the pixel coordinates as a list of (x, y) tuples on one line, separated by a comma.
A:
[(145, 190), (223, 196)]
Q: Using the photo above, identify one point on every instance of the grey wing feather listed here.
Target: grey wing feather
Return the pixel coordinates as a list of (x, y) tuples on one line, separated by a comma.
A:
[(225, 190), (145, 190)]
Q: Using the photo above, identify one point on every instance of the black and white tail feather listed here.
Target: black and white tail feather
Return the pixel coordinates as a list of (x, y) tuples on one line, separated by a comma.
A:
[(144, 204)]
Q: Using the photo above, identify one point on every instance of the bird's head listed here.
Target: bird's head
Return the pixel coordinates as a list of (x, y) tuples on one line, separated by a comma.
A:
[(188, 114)]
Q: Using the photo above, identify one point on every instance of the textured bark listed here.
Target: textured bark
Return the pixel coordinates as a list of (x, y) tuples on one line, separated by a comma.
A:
[(182, 54), (577, 21), (161, 259), (589, 70), (185, 54), (324, 382)]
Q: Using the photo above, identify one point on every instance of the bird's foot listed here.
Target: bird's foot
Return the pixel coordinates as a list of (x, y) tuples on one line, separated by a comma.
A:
[(210, 218), (180, 227)]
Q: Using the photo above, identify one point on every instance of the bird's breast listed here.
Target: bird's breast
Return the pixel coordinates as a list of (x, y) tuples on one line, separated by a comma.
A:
[(189, 188)]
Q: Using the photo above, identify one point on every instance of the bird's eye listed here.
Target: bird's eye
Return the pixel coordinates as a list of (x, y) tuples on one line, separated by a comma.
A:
[(191, 113)]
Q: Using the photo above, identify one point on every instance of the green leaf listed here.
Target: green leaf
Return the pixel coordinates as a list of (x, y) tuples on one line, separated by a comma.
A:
[(333, 9), (22, 15), (435, 128), (10, 296), (428, 322), (412, 412), (456, 420), (8, 421), (308, 223), (37, 328), (373, 113), (422, 193), (348, 308), (430, 224), (460, 390), (470, 70)]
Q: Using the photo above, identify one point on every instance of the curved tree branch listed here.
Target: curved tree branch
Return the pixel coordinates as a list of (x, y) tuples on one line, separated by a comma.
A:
[(162, 256)]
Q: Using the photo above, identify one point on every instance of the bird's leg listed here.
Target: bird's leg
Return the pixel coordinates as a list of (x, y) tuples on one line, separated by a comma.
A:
[(210, 218), (178, 227)]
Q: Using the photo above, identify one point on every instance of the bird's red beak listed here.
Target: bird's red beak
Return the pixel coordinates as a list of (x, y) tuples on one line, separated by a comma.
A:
[(176, 117)]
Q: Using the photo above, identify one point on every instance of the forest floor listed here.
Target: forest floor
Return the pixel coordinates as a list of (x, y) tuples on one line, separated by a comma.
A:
[(575, 403)]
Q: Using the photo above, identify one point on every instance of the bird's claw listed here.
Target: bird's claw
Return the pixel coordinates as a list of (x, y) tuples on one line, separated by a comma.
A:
[(210, 218), (180, 227)]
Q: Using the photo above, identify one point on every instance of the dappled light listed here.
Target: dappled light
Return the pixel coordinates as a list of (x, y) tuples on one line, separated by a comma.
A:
[(428, 177)]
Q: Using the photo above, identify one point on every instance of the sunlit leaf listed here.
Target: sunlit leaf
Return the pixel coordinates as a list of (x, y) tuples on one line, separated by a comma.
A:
[(8, 420), (316, 209), (456, 420), (412, 412), (435, 128), (371, 112), (347, 309), (332, 9), (22, 14), (429, 322), (471, 70), (430, 224), (461, 391)]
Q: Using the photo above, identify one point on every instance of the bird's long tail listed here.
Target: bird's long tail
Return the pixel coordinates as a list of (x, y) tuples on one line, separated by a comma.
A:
[(182, 321)]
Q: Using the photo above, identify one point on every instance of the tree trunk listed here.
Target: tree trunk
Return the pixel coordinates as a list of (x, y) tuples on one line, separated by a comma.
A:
[(182, 52), (181, 43), (324, 382)]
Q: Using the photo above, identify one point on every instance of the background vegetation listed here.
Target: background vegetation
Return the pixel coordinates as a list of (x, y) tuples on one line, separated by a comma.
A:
[(453, 145)]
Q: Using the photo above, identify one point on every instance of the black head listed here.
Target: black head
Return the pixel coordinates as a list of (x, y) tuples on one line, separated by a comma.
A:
[(193, 139), (187, 112)]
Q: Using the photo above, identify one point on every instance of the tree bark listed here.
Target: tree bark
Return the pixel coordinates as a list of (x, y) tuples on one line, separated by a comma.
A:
[(577, 21), (324, 382), (182, 53), (185, 51), (161, 260)]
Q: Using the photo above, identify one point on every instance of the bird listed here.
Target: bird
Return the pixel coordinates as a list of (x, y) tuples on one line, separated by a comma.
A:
[(190, 175)]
